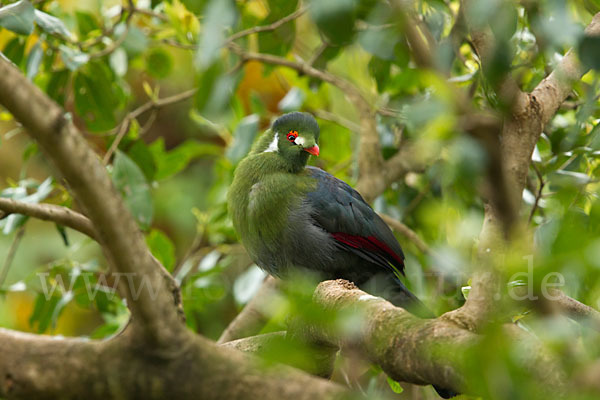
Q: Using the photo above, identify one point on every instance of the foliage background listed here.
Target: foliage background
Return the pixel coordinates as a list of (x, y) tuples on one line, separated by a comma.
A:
[(174, 162)]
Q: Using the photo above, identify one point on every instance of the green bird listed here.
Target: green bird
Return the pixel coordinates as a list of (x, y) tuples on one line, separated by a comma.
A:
[(290, 216)]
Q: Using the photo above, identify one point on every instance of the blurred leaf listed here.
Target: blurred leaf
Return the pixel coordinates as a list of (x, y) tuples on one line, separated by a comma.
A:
[(86, 22), (335, 18), (171, 162), (378, 38), (135, 42), (380, 70), (43, 311), (244, 135), (159, 63), (395, 386), (34, 60), (281, 40), (185, 22), (129, 179), (15, 50), (51, 24), (73, 58), (162, 248), (589, 52), (118, 61), (14, 221), (96, 96), (248, 283), (569, 178), (18, 17), (218, 15), (56, 86), (292, 101), (217, 89), (143, 157)]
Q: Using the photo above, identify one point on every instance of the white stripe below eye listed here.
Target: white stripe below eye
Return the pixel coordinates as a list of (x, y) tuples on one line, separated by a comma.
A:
[(299, 141), (273, 147)]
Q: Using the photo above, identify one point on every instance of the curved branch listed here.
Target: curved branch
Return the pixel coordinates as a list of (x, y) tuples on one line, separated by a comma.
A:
[(554, 89), (406, 231), (50, 212), (152, 293), (46, 367), (266, 28), (253, 317)]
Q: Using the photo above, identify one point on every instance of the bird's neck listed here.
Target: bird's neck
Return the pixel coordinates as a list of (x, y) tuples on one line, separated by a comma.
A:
[(259, 165)]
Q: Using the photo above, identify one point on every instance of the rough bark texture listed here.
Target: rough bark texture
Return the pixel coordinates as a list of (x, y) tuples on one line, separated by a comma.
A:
[(530, 112)]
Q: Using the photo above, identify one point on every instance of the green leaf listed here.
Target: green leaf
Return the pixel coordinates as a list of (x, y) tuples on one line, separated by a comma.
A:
[(34, 60), (569, 178), (129, 179), (118, 61), (174, 161), (244, 135), (218, 15), (51, 24), (56, 86), (15, 50), (589, 52), (280, 40), (162, 248), (217, 89), (135, 42), (86, 23), (159, 63), (97, 96), (395, 386), (18, 17), (335, 18), (14, 221), (380, 70), (73, 58), (143, 157)]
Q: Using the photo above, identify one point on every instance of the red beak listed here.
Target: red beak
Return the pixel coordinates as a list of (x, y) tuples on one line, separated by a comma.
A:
[(313, 150)]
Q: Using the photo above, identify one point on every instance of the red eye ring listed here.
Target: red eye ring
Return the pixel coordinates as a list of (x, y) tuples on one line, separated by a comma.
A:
[(292, 135)]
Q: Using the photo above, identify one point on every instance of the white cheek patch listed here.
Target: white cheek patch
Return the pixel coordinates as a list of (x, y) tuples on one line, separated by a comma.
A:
[(273, 146), (299, 141)]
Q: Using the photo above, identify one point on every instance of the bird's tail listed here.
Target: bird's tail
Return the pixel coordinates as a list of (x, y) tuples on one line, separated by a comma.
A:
[(400, 296), (445, 393)]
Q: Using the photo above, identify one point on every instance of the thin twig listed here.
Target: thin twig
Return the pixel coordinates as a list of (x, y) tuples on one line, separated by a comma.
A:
[(11, 254), (341, 121), (117, 43), (49, 212), (266, 28), (123, 127), (406, 231), (538, 197)]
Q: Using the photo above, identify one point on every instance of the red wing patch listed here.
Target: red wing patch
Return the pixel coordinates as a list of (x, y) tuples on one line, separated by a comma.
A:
[(370, 243)]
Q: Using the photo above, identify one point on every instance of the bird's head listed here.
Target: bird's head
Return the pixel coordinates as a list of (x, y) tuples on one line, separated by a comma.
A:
[(293, 136)]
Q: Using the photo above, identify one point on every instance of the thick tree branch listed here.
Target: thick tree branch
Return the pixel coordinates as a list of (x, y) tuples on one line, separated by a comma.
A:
[(407, 348), (552, 91), (50, 212), (152, 305), (45, 367), (520, 132)]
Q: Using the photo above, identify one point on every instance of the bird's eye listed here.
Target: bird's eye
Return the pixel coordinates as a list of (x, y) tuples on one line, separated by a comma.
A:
[(292, 135)]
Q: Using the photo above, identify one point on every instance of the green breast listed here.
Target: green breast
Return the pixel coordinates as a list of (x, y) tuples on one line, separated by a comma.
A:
[(260, 199)]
